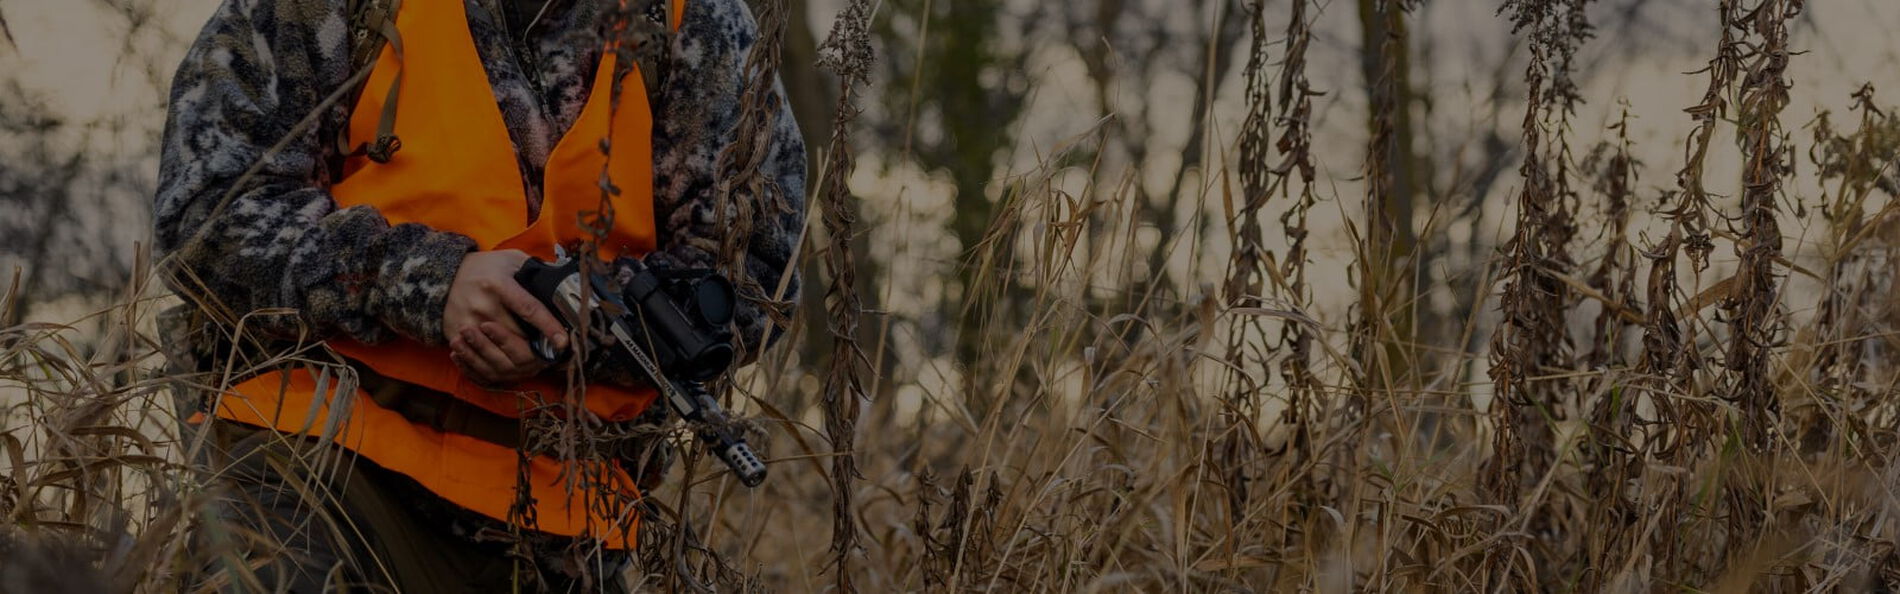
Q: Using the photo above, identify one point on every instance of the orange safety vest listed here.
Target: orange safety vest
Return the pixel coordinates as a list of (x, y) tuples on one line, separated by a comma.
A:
[(457, 172)]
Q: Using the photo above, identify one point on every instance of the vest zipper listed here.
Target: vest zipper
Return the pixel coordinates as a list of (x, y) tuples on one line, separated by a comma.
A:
[(521, 51)]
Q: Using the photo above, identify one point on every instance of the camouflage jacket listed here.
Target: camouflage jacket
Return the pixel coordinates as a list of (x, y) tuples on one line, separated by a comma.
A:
[(260, 66)]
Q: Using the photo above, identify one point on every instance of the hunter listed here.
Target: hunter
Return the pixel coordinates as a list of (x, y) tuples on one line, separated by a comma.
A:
[(371, 174)]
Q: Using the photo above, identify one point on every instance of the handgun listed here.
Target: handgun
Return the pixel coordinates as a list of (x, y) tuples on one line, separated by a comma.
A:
[(671, 325)]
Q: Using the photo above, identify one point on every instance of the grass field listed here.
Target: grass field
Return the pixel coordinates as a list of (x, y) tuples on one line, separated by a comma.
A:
[(1664, 376)]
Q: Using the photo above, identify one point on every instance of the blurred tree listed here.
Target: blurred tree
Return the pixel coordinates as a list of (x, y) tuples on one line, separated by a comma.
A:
[(1386, 289), (63, 222), (953, 92), (74, 194), (811, 94)]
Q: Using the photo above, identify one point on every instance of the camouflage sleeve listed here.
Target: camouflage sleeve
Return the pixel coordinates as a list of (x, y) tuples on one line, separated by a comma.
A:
[(698, 112), (249, 227)]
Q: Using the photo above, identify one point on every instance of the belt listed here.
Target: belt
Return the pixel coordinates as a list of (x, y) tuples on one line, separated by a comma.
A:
[(438, 410), (647, 457)]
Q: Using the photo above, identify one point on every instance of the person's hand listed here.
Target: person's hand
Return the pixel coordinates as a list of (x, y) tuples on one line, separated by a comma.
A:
[(478, 320)]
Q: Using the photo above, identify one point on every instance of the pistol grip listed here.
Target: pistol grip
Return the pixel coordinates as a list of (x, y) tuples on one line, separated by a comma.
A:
[(541, 280)]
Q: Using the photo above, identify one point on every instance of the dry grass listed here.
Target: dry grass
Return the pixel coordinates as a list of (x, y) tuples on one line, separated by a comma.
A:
[(1642, 427)]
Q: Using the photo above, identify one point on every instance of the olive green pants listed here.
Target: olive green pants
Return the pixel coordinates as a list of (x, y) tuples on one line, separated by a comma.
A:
[(303, 517)]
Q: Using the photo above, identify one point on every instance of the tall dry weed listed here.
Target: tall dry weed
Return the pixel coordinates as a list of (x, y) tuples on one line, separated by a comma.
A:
[(1532, 341), (846, 53)]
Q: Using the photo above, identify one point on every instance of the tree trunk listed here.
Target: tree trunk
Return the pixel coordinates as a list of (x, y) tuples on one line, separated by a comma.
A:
[(1386, 285)]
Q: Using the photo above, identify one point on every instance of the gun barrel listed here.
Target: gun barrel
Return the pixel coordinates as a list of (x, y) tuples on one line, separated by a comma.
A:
[(696, 405), (738, 456)]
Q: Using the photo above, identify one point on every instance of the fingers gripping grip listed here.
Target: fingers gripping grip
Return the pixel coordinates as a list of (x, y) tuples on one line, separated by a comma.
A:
[(545, 282)]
